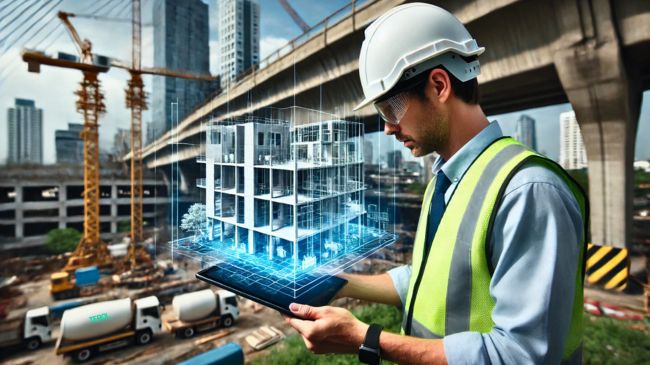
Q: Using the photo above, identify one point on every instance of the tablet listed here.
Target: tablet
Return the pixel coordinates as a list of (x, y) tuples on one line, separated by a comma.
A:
[(277, 294)]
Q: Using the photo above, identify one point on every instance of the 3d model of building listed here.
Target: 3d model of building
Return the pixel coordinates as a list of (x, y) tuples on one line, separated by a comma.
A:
[(286, 190)]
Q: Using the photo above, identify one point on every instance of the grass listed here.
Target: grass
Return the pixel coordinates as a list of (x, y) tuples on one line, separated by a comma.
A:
[(610, 341), (606, 341), (292, 350)]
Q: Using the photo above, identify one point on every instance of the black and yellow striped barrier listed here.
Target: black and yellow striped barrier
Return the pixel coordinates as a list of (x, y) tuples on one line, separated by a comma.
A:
[(608, 267)]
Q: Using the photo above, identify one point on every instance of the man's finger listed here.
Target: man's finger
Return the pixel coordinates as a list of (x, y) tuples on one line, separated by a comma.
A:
[(302, 326), (305, 311)]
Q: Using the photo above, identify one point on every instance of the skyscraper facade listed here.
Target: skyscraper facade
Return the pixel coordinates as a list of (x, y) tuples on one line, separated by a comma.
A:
[(25, 133), (239, 38), (572, 148), (69, 145), (394, 159), (181, 42), (525, 131)]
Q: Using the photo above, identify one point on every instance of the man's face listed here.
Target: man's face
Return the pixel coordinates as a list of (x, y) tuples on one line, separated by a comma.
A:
[(424, 128)]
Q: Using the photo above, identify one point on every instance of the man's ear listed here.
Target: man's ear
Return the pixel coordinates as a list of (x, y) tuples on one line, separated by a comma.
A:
[(438, 85)]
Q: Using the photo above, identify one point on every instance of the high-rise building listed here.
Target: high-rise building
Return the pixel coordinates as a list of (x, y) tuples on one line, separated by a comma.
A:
[(150, 132), (239, 37), (572, 148), (367, 152), (69, 145), (394, 159), (25, 133), (181, 42), (525, 131), (121, 142)]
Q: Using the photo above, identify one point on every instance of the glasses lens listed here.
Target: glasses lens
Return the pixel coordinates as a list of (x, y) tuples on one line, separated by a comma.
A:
[(393, 109)]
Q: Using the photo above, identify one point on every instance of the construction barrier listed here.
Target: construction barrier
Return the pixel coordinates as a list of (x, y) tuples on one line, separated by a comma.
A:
[(608, 267)]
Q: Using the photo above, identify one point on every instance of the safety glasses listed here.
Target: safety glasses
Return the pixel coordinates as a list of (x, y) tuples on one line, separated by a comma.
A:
[(393, 109)]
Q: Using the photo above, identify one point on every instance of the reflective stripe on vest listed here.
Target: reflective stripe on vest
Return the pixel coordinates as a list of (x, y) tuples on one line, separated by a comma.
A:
[(452, 293)]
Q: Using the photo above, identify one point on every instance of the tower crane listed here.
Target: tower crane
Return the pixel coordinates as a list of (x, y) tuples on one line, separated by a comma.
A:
[(91, 250), (136, 100), (294, 15)]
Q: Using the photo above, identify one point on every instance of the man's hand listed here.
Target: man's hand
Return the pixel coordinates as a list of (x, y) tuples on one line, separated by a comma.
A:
[(327, 329)]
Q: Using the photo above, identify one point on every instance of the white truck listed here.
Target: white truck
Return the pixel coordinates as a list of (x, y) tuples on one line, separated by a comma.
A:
[(29, 329), (201, 311), (108, 325)]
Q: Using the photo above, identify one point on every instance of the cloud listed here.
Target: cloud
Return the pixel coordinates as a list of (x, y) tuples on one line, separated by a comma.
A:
[(270, 44)]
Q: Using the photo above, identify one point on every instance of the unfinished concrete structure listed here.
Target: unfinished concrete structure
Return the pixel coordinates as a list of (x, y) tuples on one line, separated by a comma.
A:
[(288, 188), (37, 200)]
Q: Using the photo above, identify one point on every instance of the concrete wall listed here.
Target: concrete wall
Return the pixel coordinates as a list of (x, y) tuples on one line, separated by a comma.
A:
[(63, 202)]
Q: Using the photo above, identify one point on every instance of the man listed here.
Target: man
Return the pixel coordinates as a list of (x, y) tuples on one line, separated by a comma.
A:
[(497, 267)]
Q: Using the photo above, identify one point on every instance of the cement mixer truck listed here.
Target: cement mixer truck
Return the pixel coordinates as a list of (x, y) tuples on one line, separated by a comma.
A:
[(201, 311), (107, 325), (30, 328)]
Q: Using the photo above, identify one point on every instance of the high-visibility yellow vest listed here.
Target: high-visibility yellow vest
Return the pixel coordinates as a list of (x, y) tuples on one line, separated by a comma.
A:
[(449, 290)]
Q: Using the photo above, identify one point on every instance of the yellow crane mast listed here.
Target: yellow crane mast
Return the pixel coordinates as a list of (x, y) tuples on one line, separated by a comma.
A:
[(136, 100), (91, 249)]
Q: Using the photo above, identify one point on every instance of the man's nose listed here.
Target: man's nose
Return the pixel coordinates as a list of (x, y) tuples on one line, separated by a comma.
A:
[(390, 128)]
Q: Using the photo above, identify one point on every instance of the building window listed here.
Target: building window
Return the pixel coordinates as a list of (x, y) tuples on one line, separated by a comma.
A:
[(260, 138), (215, 137)]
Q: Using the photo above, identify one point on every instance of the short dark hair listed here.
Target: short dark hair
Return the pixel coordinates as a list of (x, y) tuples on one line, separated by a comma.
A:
[(467, 91)]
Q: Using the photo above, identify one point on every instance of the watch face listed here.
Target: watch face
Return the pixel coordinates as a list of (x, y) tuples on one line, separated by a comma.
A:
[(368, 355)]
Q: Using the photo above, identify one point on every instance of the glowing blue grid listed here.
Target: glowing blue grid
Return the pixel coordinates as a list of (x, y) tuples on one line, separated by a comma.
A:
[(285, 200)]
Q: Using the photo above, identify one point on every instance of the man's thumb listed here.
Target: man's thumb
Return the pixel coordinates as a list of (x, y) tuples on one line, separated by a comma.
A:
[(303, 310)]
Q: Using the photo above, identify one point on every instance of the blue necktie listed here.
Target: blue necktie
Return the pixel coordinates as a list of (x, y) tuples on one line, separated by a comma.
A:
[(437, 207)]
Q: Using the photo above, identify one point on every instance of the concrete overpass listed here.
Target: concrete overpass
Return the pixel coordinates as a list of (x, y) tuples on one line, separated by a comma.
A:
[(594, 54)]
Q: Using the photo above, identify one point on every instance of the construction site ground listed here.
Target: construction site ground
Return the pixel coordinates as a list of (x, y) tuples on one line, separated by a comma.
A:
[(167, 349)]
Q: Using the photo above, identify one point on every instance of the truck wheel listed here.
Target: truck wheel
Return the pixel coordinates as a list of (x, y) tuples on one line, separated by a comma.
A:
[(33, 343), (143, 337), (227, 321), (82, 355), (188, 332)]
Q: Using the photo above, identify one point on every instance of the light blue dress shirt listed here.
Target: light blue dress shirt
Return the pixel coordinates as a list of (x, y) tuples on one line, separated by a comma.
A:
[(535, 245)]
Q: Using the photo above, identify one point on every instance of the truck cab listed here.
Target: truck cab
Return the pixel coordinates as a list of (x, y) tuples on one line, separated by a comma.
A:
[(36, 328), (147, 318), (228, 304)]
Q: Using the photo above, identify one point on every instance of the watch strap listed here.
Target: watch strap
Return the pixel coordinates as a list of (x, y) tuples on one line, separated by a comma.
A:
[(372, 336), (369, 352)]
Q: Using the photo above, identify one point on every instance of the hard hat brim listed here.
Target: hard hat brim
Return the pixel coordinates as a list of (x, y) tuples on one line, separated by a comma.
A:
[(364, 103)]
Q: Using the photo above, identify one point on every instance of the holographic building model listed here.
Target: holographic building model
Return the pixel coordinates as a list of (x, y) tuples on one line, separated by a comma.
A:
[(284, 203), (288, 190)]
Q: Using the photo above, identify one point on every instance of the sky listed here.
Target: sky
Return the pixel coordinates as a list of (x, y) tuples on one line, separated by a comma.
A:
[(52, 89)]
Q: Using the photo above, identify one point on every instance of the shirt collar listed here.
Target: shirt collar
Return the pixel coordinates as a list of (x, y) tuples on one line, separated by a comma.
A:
[(455, 168)]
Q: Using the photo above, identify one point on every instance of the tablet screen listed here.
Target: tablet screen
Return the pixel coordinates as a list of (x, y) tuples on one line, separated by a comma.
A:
[(274, 293)]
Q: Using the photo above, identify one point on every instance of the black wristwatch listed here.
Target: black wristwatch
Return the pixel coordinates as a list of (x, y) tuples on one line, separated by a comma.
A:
[(369, 351)]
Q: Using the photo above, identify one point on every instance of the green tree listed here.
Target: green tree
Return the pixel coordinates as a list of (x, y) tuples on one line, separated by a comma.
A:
[(62, 240), (195, 221), (124, 226)]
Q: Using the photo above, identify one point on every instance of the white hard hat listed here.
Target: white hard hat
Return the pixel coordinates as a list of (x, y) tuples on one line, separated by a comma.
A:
[(410, 39)]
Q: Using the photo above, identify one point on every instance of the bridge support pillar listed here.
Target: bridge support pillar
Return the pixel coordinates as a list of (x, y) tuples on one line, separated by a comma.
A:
[(606, 101)]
